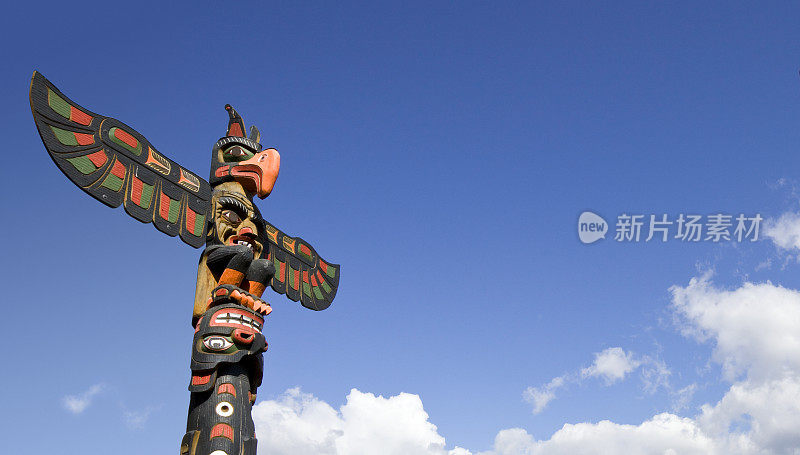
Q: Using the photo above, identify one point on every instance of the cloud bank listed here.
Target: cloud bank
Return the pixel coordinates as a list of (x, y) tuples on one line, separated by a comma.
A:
[(300, 424), (754, 331)]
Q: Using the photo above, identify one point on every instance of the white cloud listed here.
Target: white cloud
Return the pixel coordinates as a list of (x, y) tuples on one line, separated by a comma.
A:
[(299, 424), (539, 397), (664, 434), (612, 365), (682, 398), (514, 441), (135, 420), (761, 416), (785, 231), (76, 404), (755, 329), (655, 374)]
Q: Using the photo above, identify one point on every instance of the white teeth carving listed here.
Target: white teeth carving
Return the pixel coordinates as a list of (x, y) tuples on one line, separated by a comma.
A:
[(245, 243), (233, 318)]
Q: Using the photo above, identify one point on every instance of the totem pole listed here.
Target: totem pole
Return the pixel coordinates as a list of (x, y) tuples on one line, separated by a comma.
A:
[(244, 253)]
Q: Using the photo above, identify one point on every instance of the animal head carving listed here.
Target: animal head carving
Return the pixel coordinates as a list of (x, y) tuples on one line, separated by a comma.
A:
[(243, 160)]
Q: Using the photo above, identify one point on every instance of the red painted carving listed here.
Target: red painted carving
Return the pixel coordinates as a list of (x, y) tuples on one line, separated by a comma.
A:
[(190, 218), (84, 139), (78, 116), (118, 169), (222, 430), (226, 388), (125, 137), (98, 158), (222, 171)]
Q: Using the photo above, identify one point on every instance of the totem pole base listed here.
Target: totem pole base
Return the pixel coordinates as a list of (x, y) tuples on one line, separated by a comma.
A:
[(227, 368), (219, 420)]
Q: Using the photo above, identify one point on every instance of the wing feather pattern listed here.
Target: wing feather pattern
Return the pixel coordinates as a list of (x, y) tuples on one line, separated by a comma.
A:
[(300, 273), (118, 166)]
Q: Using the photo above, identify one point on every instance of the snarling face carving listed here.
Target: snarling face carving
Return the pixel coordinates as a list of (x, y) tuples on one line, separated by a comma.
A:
[(240, 159), (226, 334), (236, 221)]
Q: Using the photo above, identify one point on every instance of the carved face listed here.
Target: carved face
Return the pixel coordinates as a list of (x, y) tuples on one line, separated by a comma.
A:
[(227, 333), (242, 160), (236, 221), (245, 324)]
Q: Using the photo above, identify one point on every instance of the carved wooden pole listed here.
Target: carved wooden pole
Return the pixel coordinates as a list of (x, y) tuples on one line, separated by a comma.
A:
[(227, 363), (244, 254)]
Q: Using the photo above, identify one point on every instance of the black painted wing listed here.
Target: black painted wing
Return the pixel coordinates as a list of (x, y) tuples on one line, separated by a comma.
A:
[(115, 164), (300, 272)]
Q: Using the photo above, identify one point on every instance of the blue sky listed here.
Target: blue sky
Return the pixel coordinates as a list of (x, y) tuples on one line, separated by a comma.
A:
[(442, 153)]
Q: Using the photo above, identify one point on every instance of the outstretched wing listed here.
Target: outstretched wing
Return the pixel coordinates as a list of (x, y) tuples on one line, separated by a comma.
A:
[(300, 272), (117, 165)]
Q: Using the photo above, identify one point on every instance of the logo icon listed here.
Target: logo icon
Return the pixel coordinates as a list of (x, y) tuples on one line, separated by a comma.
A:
[(591, 227)]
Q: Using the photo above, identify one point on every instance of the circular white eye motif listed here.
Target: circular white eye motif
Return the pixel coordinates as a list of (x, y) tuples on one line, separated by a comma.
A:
[(224, 409), (216, 343), (219, 452)]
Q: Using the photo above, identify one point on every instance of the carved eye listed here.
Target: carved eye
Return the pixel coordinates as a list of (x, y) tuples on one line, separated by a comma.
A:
[(236, 153), (224, 409), (216, 343), (231, 216)]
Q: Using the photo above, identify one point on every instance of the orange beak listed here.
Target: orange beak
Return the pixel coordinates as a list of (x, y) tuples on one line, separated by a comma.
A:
[(258, 174)]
